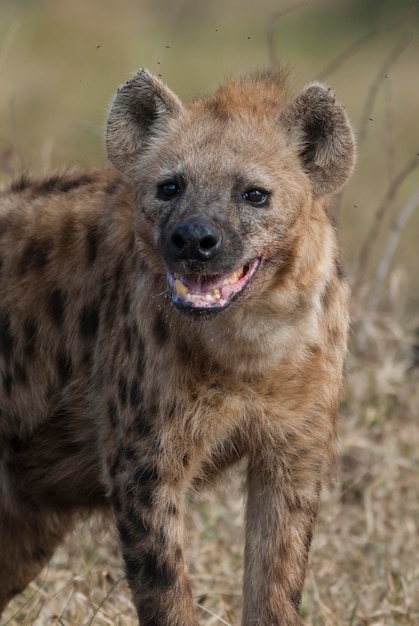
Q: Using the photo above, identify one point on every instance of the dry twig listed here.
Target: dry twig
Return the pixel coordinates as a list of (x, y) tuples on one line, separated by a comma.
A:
[(354, 47), (396, 228), (380, 212), (390, 149), (395, 52)]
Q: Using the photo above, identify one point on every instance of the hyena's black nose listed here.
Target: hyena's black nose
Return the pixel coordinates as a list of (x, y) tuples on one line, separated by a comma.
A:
[(196, 239)]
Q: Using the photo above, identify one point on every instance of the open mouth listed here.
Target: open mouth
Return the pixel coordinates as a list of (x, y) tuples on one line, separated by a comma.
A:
[(202, 293)]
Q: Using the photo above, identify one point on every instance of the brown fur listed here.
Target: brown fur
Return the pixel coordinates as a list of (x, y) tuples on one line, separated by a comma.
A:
[(110, 395)]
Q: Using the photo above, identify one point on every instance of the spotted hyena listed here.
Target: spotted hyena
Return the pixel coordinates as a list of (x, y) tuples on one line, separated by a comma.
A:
[(161, 320)]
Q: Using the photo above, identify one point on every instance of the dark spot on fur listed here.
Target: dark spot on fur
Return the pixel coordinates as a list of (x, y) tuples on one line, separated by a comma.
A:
[(50, 393), (152, 621), (134, 393), (130, 453), (128, 339), (30, 330), (131, 245), (6, 338), (314, 351), (160, 330), (111, 308), (64, 366), (134, 333), (112, 413), (162, 537), (184, 352), (295, 598), (112, 304), (16, 444), (172, 509), (20, 184), (327, 295), (87, 358), (104, 289), (172, 411), (126, 304), (137, 521), (115, 501), (89, 320), (39, 554), (112, 187), (158, 574), (308, 539), (56, 306), (125, 533), (7, 382), (339, 269), (132, 566), (66, 443), (119, 269), (60, 184), (140, 360), (4, 224), (335, 335), (178, 554), (68, 232), (142, 424), (145, 494), (35, 255), (92, 243), (122, 390), (146, 473), (114, 468), (21, 375)]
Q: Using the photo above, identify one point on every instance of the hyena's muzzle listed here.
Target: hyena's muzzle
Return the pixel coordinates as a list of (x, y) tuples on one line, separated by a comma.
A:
[(206, 264)]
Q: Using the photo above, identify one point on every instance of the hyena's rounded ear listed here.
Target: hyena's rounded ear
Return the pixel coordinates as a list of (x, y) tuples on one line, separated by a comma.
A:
[(325, 141), (142, 109)]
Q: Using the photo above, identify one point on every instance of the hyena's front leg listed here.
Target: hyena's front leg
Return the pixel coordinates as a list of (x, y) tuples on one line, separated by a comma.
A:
[(148, 506), (283, 492)]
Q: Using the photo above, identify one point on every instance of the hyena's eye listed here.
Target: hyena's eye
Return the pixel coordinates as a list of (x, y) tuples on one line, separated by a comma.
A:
[(168, 190), (256, 196)]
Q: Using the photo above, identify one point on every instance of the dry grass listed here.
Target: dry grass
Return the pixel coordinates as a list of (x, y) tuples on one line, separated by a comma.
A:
[(364, 568)]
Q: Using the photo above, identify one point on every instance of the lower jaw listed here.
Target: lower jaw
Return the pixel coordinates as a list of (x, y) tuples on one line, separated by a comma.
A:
[(203, 313), (211, 309), (199, 313)]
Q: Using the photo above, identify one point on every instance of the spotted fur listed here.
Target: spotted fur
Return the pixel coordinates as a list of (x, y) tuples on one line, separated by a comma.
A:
[(118, 390)]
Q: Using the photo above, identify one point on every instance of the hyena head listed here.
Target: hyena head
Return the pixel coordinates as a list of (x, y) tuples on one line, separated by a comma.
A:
[(221, 182)]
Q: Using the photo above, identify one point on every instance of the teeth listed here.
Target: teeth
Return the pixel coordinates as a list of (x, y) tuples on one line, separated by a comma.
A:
[(181, 289), (233, 277), (183, 292)]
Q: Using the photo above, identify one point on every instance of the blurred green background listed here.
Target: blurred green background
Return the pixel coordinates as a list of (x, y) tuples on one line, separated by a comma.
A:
[(61, 61)]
